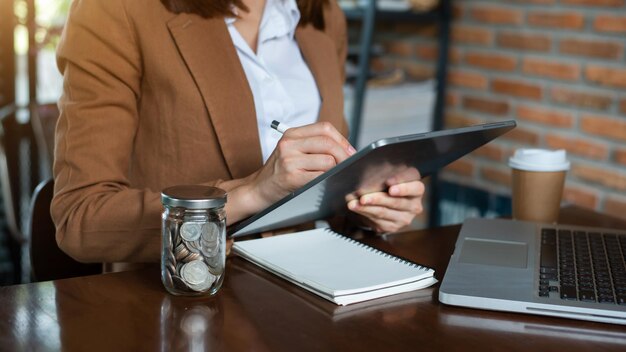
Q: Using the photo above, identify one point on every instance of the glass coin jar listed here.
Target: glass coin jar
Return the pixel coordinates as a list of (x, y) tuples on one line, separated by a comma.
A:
[(193, 252)]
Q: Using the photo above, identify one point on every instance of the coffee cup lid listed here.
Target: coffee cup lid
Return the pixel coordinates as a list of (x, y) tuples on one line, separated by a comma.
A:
[(539, 160)]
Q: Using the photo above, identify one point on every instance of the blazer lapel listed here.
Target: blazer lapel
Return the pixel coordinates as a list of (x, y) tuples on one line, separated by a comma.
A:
[(210, 56), (320, 54)]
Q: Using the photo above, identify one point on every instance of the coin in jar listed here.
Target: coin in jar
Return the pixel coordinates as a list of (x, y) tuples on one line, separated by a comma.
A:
[(210, 232), (191, 231), (195, 272), (181, 252), (205, 285)]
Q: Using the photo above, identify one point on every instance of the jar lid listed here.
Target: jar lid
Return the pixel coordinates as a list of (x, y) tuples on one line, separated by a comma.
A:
[(193, 197)]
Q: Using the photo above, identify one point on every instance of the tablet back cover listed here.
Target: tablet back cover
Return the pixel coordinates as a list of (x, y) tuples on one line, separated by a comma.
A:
[(412, 156)]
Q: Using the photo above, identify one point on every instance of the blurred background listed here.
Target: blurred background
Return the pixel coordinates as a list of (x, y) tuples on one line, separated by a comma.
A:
[(558, 67)]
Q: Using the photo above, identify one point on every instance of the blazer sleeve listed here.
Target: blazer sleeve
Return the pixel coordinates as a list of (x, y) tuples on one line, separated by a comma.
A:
[(98, 215)]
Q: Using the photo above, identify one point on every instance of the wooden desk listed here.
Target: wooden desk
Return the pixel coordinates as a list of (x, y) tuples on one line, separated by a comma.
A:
[(256, 311)]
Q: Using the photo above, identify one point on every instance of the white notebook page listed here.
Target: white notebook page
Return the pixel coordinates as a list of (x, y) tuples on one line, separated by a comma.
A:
[(330, 263)]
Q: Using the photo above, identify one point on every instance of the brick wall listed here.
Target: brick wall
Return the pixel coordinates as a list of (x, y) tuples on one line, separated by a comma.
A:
[(556, 66)]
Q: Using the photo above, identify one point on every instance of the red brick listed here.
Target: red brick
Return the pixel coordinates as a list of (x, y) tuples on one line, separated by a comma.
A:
[(539, 2), (452, 99), (415, 70), (517, 89), (604, 126), (527, 42), (604, 3), (581, 197), (457, 11), (605, 177), (456, 119), (467, 79), (558, 20), (498, 176), (580, 99), (490, 151), (620, 156), (431, 52), (461, 167), (551, 69), (416, 29), (622, 106), (497, 15), (606, 76), (591, 48), (462, 34), (400, 48), (381, 64), (491, 61), (610, 24), (522, 135), (545, 116), (487, 105), (578, 146), (616, 207)]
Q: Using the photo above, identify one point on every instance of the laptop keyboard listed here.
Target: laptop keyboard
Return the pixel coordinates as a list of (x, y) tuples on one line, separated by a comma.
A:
[(583, 266)]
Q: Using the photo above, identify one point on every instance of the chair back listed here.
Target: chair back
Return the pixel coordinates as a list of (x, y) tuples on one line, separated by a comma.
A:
[(47, 260), (19, 170)]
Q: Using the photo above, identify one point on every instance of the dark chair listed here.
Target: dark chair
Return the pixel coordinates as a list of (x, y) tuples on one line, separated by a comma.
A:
[(47, 261), (19, 175)]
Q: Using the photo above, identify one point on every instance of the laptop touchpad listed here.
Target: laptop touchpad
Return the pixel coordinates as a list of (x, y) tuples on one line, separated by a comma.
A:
[(492, 252)]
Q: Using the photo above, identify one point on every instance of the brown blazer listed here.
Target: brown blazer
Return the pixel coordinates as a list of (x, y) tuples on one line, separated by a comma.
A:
[(153, 99)]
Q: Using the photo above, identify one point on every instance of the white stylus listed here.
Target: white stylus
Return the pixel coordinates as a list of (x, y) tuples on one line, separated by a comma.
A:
[(280, 126)]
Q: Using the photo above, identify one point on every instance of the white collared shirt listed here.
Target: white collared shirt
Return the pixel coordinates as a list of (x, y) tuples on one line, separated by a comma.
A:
[(282, 84)]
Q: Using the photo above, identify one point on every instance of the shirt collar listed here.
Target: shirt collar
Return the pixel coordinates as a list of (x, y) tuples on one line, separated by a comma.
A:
[(280, 17)]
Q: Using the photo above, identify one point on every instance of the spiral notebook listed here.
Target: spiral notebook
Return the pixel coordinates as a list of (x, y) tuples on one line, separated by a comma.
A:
[(335, 267)]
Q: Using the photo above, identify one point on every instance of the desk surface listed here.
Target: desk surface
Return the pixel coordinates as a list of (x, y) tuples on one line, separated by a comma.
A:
[(257, 311)]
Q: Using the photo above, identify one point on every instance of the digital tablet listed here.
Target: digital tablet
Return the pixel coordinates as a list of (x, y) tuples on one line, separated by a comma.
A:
[(410, 157)]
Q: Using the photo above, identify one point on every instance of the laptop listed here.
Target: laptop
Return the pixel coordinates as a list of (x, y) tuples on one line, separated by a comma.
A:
[(547, 269), (411, 157)]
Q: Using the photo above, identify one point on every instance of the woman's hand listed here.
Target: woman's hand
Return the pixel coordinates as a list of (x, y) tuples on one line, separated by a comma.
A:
[(302, 154), (392, 210)]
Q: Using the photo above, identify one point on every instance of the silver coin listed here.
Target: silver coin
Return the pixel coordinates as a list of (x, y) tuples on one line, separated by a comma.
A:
[(205, 285), (210, 232), (209, 249), (195, 272), (193, 246), (191, 231)]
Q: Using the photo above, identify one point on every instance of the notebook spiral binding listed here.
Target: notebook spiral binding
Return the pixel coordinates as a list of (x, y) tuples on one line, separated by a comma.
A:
[(378, 251)]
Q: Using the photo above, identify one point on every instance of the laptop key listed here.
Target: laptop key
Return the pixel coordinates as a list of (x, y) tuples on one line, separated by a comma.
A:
[(569, 292), (587, 296)]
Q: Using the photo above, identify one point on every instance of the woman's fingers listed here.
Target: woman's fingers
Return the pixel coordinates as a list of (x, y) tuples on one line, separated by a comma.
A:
[(392, 210), (407, 189), (322, 145), (321, 129), (382, 218)]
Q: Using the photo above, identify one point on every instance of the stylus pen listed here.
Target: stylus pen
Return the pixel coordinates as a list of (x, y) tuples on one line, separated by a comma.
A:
[(280, 126)]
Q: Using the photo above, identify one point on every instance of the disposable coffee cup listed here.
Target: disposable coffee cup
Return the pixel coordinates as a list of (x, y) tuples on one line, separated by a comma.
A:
[(538, 179)]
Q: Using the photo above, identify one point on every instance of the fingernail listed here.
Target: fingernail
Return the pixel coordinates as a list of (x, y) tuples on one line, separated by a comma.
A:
[(351, 150), (394, 190), (353, 205)]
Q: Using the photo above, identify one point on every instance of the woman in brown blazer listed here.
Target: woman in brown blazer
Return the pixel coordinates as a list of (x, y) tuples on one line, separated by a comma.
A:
[(155, 95)]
